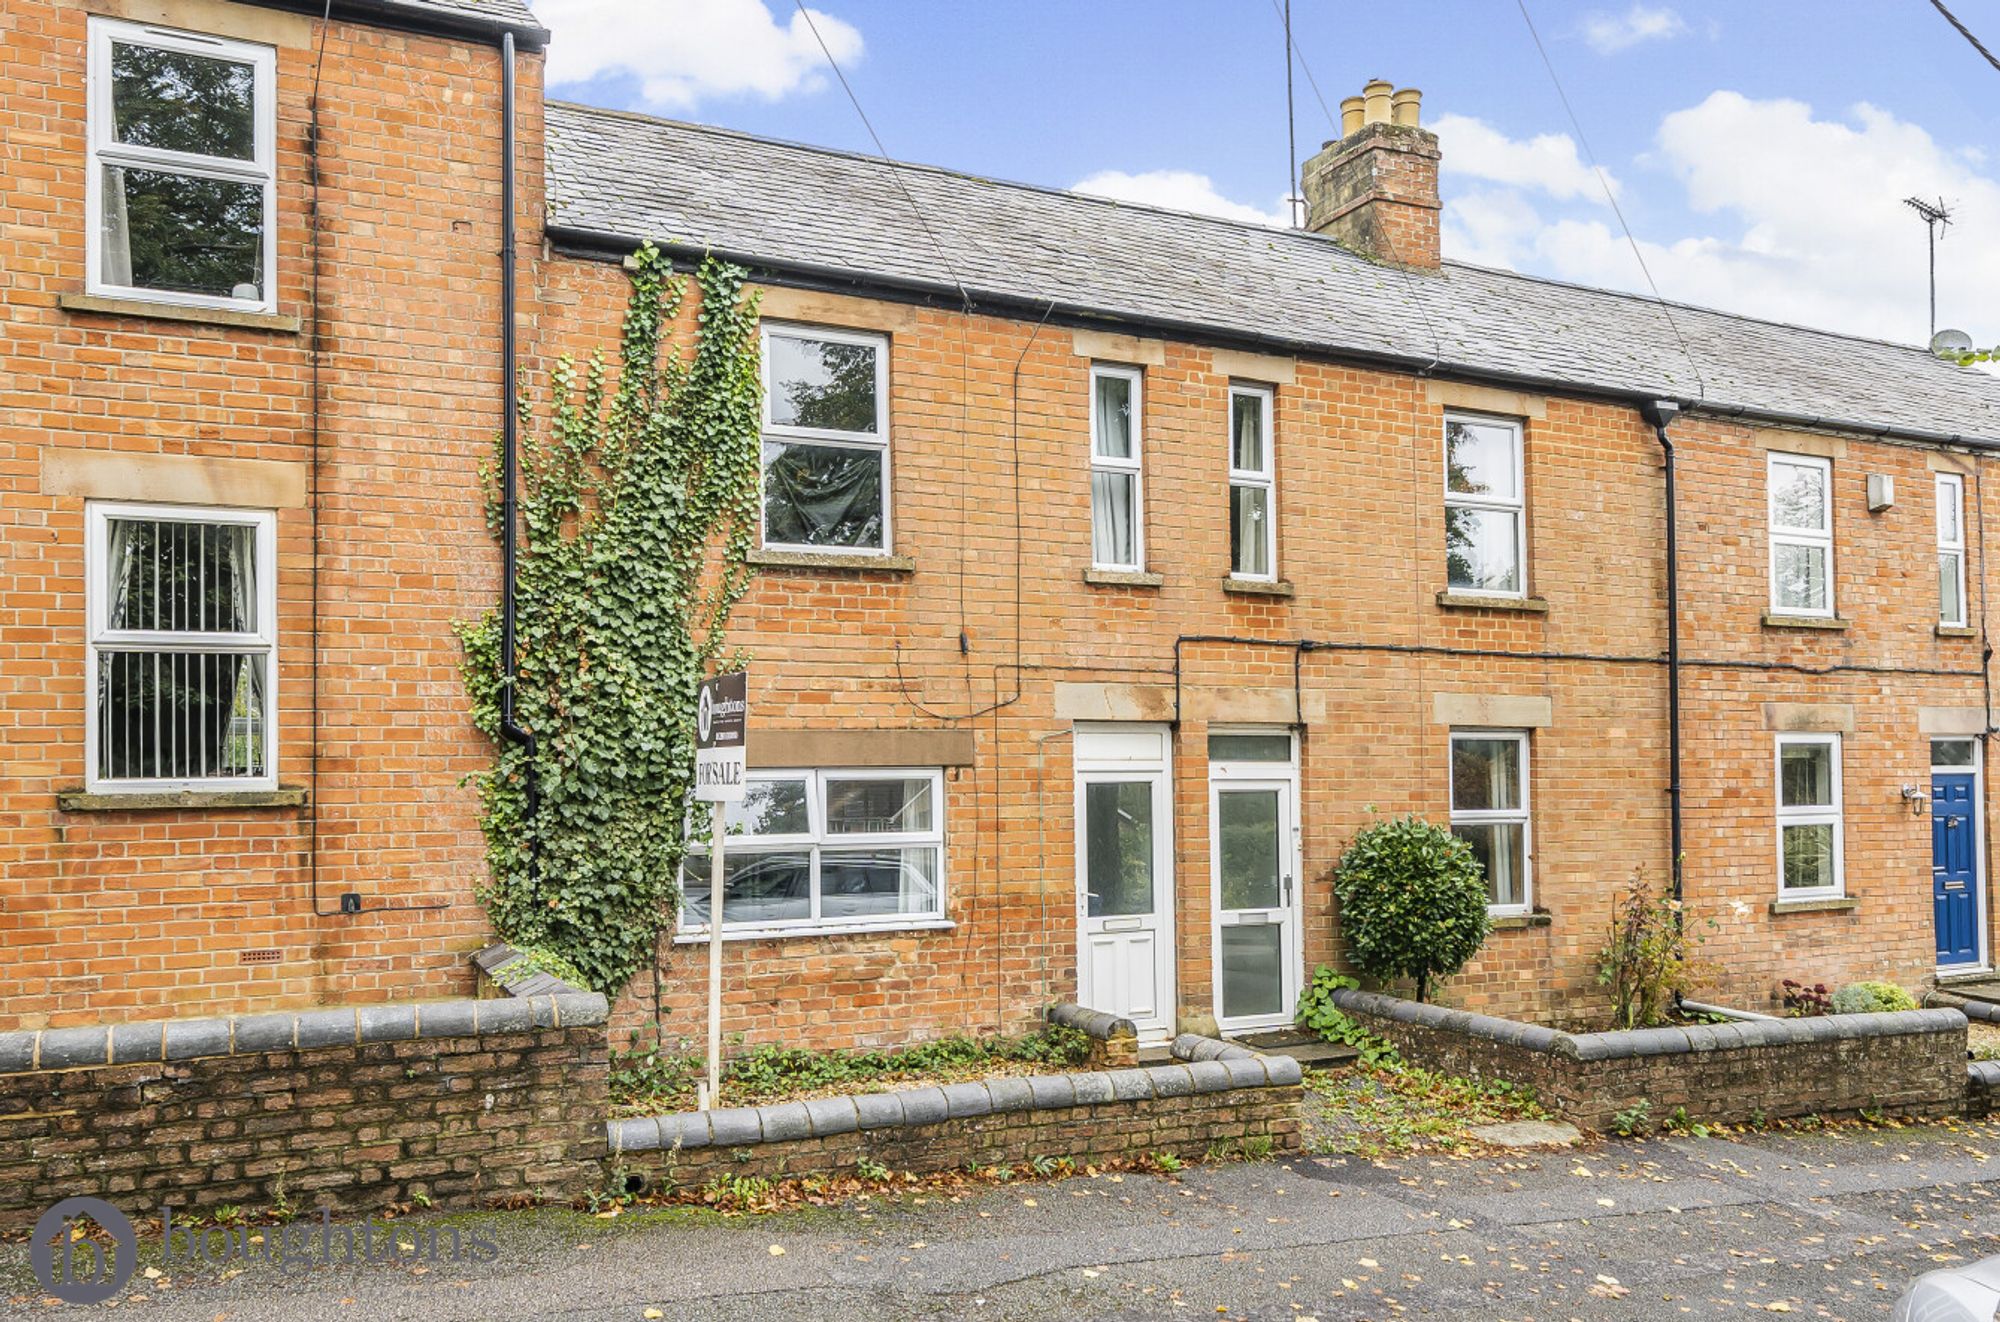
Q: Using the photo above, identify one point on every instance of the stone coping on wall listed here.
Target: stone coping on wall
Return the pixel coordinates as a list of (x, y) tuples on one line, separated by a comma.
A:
[(153, 1041), (1624, 1044), (783, 1122), (1092, 1023), (498, 963), (1193, 1046), (1985, 1012)]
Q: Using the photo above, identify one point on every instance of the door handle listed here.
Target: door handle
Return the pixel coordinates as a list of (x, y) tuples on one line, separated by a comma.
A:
[(1288, 891)]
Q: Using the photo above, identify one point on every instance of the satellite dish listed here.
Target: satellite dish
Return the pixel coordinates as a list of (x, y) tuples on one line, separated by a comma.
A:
[(1951, 343)]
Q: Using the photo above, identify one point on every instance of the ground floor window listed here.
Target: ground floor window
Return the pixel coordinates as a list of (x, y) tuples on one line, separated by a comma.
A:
[(1489, 810), (833, 849), (182, 609), (1809, 825)]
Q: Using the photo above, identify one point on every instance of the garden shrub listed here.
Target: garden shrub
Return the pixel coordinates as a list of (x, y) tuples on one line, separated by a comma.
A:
[(1412, 902), (1318, 1013), (1872, 998), (1651, 958), (1803, 1002)]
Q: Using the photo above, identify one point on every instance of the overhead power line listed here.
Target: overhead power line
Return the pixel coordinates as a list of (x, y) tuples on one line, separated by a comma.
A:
[(1966, 32)]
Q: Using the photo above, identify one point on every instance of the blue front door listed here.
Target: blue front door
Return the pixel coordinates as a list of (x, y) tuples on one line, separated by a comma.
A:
[(1954, 868)]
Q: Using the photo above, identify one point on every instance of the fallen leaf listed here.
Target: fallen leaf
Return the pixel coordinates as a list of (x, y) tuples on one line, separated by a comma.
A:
[(777, 1250)]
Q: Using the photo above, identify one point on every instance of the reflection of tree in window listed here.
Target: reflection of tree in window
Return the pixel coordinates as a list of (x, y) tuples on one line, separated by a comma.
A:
[(1119, 819), (182, 233), (176, 101), (824, 384)]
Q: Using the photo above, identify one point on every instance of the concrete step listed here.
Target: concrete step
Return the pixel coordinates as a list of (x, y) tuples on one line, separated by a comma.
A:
[(1985, 989), (1305, 1048)]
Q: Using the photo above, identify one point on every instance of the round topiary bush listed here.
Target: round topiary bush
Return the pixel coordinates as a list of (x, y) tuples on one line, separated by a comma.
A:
[(1412, 902), (1872, 998)]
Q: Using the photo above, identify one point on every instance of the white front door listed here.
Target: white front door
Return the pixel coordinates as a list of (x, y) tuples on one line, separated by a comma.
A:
[(1124, 871), (1253, 815)]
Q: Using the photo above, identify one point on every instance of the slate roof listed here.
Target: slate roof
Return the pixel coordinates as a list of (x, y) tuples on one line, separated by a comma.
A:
[(780, 206)]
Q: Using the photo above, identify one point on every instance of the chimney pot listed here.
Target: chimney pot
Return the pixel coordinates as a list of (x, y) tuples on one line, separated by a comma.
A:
[(1406, 106), (1375, 97), (1350, 116)]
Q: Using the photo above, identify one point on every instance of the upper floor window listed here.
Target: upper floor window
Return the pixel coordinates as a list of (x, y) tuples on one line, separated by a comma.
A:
[(1485, 549), (1809, 815), (825, 849), (1117, 495), (1253, 515), (181, 195), (1801, 497), (1489, 810), (1951, 549), (826, 440), (182, 608)]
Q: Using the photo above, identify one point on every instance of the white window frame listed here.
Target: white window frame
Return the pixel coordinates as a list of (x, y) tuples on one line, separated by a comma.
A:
[(827, 436), (101, 640), (103, 150), (1135, 465), (816, 839), (1265, 479), (1815, 815), (1522, 816), (1517, 506), (1951, 488), (1788, 535)]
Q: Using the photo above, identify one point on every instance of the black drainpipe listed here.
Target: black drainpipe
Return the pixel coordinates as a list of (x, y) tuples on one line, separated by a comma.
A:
[(1660, 412), (509, 457)]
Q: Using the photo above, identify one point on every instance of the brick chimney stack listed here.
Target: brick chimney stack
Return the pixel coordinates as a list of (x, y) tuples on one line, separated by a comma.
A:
[(1375, 191)]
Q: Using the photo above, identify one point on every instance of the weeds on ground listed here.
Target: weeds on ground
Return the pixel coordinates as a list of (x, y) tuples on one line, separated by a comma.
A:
[(1392, 1109)]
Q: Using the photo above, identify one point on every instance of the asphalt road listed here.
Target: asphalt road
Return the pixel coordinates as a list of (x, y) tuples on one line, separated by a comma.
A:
[(1826, 1226)]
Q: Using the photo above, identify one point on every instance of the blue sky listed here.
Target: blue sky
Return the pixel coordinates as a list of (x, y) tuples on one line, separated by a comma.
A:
[(1759, 150)]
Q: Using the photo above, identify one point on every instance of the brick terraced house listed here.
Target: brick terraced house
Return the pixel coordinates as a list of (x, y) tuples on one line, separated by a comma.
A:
[(1116, 565)]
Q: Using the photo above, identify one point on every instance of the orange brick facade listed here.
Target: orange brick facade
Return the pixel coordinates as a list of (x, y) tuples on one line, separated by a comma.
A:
[(108, 913)]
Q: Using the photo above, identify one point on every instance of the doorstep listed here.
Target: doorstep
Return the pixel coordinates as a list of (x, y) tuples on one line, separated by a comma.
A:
[(1305, 1048)]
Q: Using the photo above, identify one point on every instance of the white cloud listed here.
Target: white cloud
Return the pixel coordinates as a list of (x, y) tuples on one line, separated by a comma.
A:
[(1179, 190), (1609, 34), (1547, 163), (1802, 220), (683, 52)]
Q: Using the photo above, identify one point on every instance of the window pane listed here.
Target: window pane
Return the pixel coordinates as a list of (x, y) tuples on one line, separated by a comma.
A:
[(769, 807), (756, 888), (1805, 775), (865, 883), (177, 101), (183, 234), (1951, 752), (1798, 496), (1112, 401), (1479, 460), (1485, 775), (1249, 530), (1801, 575), (878, 807), (170, 576), (1809, 856), (1118, 847), (1253, 977), (822, 495), (1247, 450), (1249, 748), (1114, 534), (1948, 495), (828, 384), (1498, 847), (1482, 549), (1250, 850), (1951, 595), (181, 715)]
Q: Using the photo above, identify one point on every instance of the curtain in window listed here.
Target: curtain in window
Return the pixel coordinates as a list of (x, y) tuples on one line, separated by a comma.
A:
[(117, 263), (1111, 500), (822, 495)]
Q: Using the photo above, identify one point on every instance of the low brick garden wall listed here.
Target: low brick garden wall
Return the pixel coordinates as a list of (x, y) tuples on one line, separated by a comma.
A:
[(1909, 1064), (352, 1108), (1248, 1104)]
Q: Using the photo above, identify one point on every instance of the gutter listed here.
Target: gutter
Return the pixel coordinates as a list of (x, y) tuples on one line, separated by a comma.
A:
[(426, 21), (604, 245), (510, 513), (1660, 412)]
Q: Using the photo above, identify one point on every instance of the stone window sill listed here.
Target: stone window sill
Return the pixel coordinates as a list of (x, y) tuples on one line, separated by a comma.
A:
[(1123, 578), (1956, 631), (1472, 601), (285, 796), (1513, 922), (280, 322), (1256, 587), (1830, 904), (1772, 621), (688, 936), (842, 560)]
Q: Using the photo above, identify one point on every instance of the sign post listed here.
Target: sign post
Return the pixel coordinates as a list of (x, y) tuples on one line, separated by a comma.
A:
[(719, 761)]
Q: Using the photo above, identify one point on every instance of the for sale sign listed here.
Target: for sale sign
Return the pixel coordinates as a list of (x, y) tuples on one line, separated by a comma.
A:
[(720, 715)]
